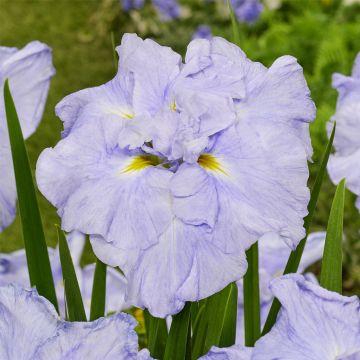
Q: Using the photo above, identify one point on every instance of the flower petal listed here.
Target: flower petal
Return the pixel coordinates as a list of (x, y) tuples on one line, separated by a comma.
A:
[(114, 335), (313, 324), (26, 321), (29, 71)]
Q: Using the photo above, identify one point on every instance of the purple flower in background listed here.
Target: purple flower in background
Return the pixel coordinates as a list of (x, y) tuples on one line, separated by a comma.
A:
[(29, 71), (273, 255), (345, 162), (187, 152), (313, 323), (202, 32), (168, 9), (31, 329), (247, 10), (235, 352)]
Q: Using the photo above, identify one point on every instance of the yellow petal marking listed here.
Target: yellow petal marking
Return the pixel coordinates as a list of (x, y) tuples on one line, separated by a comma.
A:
[(173, 106), (210, 162), (141, 162)]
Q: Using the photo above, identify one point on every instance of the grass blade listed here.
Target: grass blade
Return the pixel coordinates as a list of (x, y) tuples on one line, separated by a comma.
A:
[(176, 345), (75, 307), (216, 321), (157, 335), (34, 239), (331, 268), (234, 25), (295, 256), (252, 297), (98, 294)]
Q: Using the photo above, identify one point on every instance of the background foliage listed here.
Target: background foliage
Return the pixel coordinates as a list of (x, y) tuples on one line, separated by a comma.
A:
[(323, 34)]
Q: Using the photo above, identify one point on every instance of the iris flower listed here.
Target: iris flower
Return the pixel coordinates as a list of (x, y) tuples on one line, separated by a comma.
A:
[(31, 330), (345, 162), (175, 169), (29, 71)]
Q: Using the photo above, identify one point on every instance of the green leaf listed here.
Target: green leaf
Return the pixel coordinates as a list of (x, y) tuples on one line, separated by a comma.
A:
[(35, 246), (331, 268), (217, 323), (157, 335), (98, 294), (200, 327), (252, 297), (176, 345), (234, 25), (295, 256), (74, 301), (113, 47)]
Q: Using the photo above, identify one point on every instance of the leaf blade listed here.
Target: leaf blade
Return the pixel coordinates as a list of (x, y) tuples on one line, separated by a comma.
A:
[(34, 239), (157, 335), (331, 268), (98, 295), (176, 345), (234, 25), (75, 306), (252, 297)]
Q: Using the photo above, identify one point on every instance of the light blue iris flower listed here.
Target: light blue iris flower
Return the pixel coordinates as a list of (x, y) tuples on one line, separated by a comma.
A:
[(29, 71), (175, 169), (30, 329), (345, 162), (273, 255)]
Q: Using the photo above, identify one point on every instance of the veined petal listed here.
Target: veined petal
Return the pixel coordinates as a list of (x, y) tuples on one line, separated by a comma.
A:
[(29, 71), (114, 335), (190, 268), (111, 189), (26, 321), (110, 104), (252, 183), (153, 67), (313, 324)]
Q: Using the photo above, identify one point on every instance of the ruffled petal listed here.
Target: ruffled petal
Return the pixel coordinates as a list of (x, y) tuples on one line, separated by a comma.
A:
[(112, 189), (153, 66), (260, 182), (26, 321), (29, 71), (114, 335), (313, 324)]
